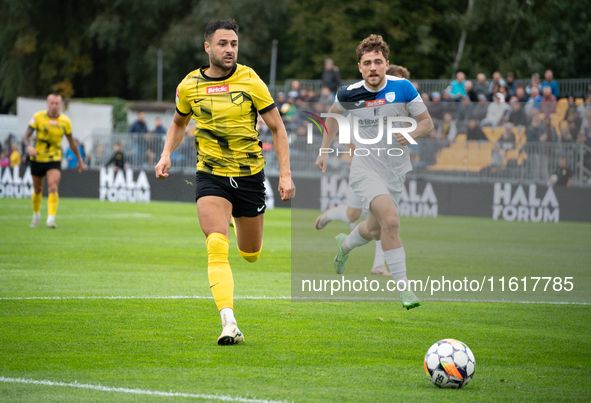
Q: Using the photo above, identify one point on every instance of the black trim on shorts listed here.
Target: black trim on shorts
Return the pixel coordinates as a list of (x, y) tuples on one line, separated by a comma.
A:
[(246, 193), (267, 108), (41, 168)]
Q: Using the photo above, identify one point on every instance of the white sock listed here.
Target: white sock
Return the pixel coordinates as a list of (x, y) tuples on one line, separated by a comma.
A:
[(229, 313), (379, 258), (37, 216), (353, 240), (396, 260), (339, 213), (50, 218)]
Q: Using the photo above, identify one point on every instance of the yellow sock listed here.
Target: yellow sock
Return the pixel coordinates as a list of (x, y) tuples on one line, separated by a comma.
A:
[(52, 202), (251, 257), (37, 197), (221, 281)]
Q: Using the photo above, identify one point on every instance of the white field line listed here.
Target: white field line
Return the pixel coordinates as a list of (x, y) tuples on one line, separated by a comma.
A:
[(304, 299), (137, 391), (130, 215)]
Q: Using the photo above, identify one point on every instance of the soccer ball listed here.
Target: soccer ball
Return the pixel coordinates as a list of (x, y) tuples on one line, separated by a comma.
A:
[(449, 363)]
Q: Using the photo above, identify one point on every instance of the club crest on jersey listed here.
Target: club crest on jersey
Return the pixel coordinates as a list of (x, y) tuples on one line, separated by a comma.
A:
[(391, 96), (237, 97), (377, 102), (218, 89)]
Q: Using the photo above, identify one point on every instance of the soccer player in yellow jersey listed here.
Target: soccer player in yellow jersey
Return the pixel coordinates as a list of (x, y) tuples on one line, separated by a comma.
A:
[(46, 155), (224, 99)]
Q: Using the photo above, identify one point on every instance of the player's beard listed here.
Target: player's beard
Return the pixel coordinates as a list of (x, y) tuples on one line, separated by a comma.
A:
[(219, 63)]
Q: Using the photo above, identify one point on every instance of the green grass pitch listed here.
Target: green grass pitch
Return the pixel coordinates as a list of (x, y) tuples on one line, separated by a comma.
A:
[(294, 351)]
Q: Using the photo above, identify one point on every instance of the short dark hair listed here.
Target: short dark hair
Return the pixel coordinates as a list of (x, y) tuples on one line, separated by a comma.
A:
[(373, 43), (213, 26)]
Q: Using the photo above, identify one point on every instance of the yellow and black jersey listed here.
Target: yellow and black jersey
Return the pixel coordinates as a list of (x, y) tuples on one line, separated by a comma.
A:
[(49, 135), (225, 112)]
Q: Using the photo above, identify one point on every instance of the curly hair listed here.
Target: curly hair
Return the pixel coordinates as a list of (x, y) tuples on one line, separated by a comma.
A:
[(373, 43), (212, 26), (398, 71)]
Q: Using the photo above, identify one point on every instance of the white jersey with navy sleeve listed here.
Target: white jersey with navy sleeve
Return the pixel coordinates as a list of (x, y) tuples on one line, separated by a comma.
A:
[(397, 97)]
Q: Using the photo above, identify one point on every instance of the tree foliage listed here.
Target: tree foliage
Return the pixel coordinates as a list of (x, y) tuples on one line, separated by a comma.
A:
[(107, 48)]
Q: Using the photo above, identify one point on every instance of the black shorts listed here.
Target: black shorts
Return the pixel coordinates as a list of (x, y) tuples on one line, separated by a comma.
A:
[(246, 193), (41, 168)]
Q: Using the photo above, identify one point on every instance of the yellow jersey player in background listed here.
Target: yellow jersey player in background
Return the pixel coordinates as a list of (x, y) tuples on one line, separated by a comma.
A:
[(46, 156), (224, 99)]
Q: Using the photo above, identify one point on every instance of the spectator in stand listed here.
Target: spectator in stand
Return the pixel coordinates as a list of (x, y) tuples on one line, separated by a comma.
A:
[(139, 126), (475, 133), (426, 99), (312, 96), (534, 83), (480, 108), (496, 79), (550, 82), (4, 160), (464, 113), (535, 130), (118, 158), (295, 90), (516, 115), (507, 139), (457, 90), (280, 100), (495, 112), (398, 71), (436, 108), (331, 77), (159, 129), (326, 97), (503, 90), (511, 84), (447, 130), (449, 103), (469, 88), (520, 94), (563, 175), (533, 103), (481, 86), (138, 129), (71, 159), (549, 135), (15, 156), (416, 85), (565, 134), (548, 102), (496, 90)]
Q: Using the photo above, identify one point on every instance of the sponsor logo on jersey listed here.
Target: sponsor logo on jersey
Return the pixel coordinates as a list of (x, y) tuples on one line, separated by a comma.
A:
[(391, 96), (53, 122), (218, 89), (377, 102)]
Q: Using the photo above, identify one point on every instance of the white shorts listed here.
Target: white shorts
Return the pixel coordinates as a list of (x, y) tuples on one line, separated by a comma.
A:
[(368, 185), (352, 200)]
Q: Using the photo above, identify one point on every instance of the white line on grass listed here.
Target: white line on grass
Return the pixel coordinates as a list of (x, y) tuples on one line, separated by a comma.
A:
[(130, 215), (310, 299), (138, 391)]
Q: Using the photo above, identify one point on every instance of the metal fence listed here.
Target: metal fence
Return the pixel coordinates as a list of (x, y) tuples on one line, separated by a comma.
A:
[(578, 87), (460, 160)]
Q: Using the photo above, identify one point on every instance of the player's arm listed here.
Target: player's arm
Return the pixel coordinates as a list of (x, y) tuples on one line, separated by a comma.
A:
[(75, 150), (27, 141), (424, 127), (174, 137), (281, 145), (332, 126)]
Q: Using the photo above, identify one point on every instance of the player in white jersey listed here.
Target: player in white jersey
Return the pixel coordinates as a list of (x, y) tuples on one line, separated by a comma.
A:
[(378, 171), (350, 212)]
